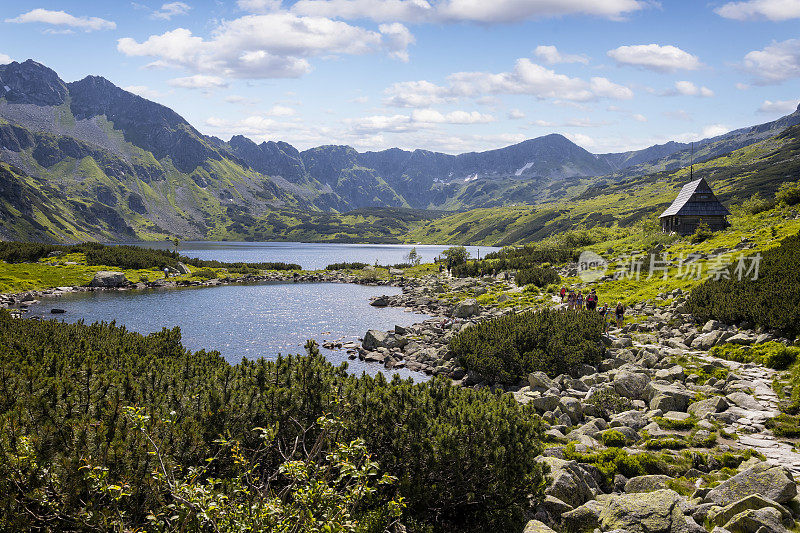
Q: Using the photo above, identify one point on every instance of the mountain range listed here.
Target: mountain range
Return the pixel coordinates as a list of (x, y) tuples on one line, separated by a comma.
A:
[(89, 160)]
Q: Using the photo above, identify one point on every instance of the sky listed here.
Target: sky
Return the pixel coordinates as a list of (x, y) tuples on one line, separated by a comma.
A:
[(444, 75)]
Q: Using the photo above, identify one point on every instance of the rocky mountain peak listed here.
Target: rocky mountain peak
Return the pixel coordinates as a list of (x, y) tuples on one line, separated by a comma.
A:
[(31, 83)]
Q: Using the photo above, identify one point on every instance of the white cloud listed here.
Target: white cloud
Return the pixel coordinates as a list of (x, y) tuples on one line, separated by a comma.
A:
[(239, 99), (542, 123), (5, 59), (638, 117), (584, 141), (515, 114), (604, 88), (62, 18), (143, 91), (171, 9), (430, 116), (397, 39), (551, 56), (416, 94), (360, 100), (713, 130), (481, 11), (775, 10), (526, 78), (419, 119), (259, 6), (380, 10), (655, 57), (198, 81), (688, 88), (516, 10), (742, 86), (776, 63), (778, 106), (274, 45), (281, 111)]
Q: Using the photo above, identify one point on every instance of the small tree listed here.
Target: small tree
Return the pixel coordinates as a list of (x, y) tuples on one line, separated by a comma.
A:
[(413, 257), (457, 255), (701, 233)]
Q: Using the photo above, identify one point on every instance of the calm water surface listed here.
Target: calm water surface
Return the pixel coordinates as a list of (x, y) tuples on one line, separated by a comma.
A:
[(255, 320), (310, 256)]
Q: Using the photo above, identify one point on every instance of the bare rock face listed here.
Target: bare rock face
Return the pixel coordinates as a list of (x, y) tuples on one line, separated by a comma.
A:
[(31, 83), (106, 278)]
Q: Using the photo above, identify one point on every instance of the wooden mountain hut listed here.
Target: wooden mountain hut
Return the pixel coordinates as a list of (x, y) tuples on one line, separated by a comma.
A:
[(694, 205)]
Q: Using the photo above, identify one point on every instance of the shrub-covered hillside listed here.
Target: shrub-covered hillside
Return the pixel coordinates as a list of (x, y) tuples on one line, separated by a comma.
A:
[(105, 429)]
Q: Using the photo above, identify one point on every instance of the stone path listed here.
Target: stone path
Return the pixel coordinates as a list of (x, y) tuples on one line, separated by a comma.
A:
[(750, 428)]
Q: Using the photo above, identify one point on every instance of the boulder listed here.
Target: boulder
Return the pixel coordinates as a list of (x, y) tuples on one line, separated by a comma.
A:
[(466, 308), (674, 373), (630, 384), (745, 401), (182, 269), (673, 397), (585, 518), (534, 526), (633, 419), (646, 483), (767, 520), (540, 381), (771, 482), (703, 408), (380, 301), (722, 516), (106, 278), (570, 483), (573, 408), (711, 325), (706, 341), (660, 511), (545, 403)]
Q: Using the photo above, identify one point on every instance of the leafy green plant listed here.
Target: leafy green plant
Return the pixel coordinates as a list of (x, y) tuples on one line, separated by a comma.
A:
[(769, 301), (462, 458), (613, 439), (701, 233), (506, 348), (771, 354), (538, 276)]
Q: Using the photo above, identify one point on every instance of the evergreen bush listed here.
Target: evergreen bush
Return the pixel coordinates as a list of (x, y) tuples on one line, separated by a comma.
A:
[(508, 348)]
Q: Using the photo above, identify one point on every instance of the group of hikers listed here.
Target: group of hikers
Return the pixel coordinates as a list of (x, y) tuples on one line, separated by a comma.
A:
[(577, 301)]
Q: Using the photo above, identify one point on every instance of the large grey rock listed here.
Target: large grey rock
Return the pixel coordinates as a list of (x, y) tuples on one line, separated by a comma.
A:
[(540, 381), (673, 397), (630, 384), (660, 511), (570, 483), (374, 339), (182, 269), (646, 483), (674, 373), (772, 482), (466, 308), (585, 518), (722, 516), (633, 419), (106, 278), (706, 341), (711, 325), (767, 520), (708, 406), (545, 403), (573, 408), (534, 526), (745, 401)]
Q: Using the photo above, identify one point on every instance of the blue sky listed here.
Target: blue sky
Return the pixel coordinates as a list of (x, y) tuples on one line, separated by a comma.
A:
[(446, 75)]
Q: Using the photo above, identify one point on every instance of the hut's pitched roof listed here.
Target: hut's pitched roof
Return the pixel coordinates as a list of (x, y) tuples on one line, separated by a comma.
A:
[(696, 199)]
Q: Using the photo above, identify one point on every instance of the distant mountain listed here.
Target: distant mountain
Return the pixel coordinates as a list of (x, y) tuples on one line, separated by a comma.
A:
[(121, 166)]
